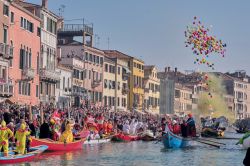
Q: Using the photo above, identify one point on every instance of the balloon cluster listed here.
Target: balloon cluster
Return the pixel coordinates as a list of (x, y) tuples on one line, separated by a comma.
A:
[(202, 43)]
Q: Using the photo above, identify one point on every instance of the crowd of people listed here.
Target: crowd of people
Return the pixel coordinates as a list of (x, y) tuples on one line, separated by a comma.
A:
[(20, 124)]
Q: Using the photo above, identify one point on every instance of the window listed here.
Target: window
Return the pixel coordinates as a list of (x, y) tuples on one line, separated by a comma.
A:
[(12, 17), (90, 57), (24, 88), (37, 63), (39, 31), (30, 59), (5, 10), (106, 67), (20, 88), (21, 22), (5, 35), (118, 101), (22, 57), (63, 82), (101, 60), (42, 22), (89, 74), (51, 26), (97, 59), (119, 70)]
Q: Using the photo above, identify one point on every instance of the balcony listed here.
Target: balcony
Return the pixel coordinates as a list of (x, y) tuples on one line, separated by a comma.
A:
[(52, 75), (240, 99), (28, 74), (47, 98), (2, 49), (6, 90), (125, 91), (96, 83), (75, 29), (6, 51)]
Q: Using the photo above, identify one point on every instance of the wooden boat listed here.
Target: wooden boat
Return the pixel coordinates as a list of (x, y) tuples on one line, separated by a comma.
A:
[(12, 158), (208, 132), (148, 136), (170, 140), (58, 146), (97, 141), (124, 138), (241, 131)]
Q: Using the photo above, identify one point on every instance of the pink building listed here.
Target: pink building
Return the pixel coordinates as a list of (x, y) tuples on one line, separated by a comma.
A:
[(24, 34)]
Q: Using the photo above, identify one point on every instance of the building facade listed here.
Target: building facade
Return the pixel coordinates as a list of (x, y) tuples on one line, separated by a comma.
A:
[(6, 50), (48, 56), (151, 89), (115, 84), (183, 99), (64, 87), (23, 69)]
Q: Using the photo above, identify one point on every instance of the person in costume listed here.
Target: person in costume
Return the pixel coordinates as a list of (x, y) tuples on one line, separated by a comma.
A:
[(5, 135), (191, 126), (109, 126), (21, 136), (67, 135)]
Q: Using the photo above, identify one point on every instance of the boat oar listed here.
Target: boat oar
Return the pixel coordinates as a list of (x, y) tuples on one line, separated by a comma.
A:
[(207, 143), (211, 141)]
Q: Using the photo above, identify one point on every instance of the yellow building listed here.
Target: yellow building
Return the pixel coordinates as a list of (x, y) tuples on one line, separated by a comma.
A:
[(135, 75), (136, 78), (151, 89)]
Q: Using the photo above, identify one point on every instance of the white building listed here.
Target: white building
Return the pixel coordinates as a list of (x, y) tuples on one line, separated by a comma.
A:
[(64, 87)]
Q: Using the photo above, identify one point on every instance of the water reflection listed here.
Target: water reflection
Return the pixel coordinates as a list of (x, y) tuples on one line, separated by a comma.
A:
[(143, 154)]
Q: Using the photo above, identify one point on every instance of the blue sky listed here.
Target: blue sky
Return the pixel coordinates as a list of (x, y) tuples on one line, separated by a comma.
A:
[(154, 30)]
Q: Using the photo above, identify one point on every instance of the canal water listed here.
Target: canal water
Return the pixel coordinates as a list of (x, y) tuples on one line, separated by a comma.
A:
[(145, 154)]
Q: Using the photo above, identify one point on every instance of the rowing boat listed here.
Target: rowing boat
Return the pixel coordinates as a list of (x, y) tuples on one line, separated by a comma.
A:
[(58, 146), (12, 158), (124, 138), (170, 140)]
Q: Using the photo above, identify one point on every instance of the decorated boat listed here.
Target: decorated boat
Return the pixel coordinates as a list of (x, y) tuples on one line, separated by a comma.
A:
[(148, 136), (124, 138), (13, 158), (170, 140), (97, 141), (241, 131), (209, 132), (58, 146)]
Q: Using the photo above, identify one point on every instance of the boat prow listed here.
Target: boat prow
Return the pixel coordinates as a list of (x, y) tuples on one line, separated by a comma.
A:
[(171, 140)]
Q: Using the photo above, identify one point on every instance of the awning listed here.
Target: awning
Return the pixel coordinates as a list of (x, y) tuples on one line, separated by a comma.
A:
[(126, 69)]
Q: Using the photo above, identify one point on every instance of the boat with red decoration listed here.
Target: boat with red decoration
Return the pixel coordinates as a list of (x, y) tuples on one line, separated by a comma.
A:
[(58, 146)]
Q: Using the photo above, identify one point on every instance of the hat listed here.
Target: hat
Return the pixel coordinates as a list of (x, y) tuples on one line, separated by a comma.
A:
[(190, 115)]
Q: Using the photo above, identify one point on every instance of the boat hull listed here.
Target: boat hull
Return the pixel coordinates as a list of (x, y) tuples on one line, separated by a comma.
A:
[(13, 159), (171, 140), (124, 138), (99, 141), (57, 146)]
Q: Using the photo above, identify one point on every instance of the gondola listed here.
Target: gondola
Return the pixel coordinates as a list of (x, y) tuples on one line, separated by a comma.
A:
[(58, 146), (13, 158), (170, 140)]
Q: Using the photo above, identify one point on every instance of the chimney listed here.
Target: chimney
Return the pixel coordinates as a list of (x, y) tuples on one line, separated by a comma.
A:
[(175, 70), (45, 4), (166, 69)]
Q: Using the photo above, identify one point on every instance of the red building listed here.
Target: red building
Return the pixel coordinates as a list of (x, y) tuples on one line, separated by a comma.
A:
[(24, 35)]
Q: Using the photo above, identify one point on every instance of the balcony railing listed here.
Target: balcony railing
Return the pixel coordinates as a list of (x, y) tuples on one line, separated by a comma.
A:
[(6, 90), (2, 48), (6, 51), (96, 83), (49, 74), (125, 91), (76, 28), (240, 99), (28, 74)]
